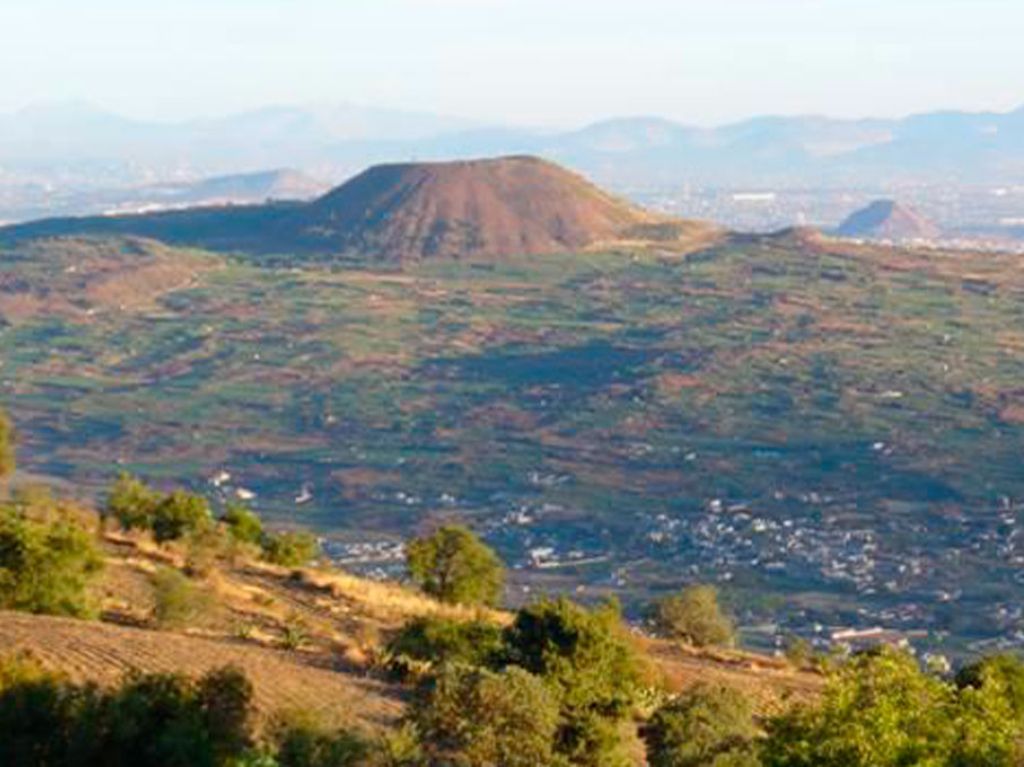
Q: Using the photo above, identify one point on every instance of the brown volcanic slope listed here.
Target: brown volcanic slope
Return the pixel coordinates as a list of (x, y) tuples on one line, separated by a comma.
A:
[(888, 220), (479, 208)]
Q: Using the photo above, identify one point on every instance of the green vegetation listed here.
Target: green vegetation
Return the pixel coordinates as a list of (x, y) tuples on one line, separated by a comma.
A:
[(455, 566), (290, 549), (694, 616), (243, 524), (131, 503), (473, 716), (707, 726), (179, 601), (47, 560), (180, 514), (150, 721), (436, 641)]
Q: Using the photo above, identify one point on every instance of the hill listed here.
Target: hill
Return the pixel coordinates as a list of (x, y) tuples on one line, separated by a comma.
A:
[(336, 671), (400, 213), (888, 220), (481, 208)]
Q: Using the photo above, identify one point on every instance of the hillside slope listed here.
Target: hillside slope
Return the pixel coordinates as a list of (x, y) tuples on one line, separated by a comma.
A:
[(481, 209)]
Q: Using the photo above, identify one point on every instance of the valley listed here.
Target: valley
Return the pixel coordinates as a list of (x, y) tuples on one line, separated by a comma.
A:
[(830, 432)]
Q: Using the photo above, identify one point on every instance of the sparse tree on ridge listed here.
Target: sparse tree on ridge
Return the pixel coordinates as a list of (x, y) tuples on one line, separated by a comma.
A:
[(455, 566)]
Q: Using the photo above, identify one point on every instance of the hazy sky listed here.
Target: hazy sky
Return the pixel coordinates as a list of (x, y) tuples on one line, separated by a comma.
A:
[(546, 62)]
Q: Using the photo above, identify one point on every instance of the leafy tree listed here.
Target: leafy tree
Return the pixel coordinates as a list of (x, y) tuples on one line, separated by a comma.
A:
[(471, 716), (46, 566), (455, 566), (989, 719), (132, 503), (707, 726), (243, 524), (878, 710), (7, 452), (695, 616), (585, 657), (292, 549), (178, 514)]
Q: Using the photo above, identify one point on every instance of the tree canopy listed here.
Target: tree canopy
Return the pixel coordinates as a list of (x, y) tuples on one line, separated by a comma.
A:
[(455, 566)]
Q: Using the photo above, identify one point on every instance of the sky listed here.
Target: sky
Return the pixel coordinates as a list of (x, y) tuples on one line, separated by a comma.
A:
[(555, 63)]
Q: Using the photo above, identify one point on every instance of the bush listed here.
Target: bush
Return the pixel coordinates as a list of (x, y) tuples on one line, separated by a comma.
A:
[(179, 514), (46, 566), (132, 503), (694, 616), (290, 549), (243, 525), (588, 661), (159, 720), (301, 741), (178, 600), (455, 566), (438, 641), (470, 716), (707, 726)]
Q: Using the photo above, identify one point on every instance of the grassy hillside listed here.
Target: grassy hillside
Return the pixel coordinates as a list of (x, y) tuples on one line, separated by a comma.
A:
[(832, 432)]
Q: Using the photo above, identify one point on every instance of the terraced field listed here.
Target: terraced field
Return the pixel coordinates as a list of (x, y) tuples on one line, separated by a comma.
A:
[(831, 432)]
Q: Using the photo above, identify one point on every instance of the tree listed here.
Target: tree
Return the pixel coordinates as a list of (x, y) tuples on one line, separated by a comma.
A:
[(131, 502), (695, 616), (178, 514), (7, 452), (242, 524), (46, 566), (878, 710), (470, 716), (707, 726), (455, 566), (586, 658), (293, 549), (302, 741)]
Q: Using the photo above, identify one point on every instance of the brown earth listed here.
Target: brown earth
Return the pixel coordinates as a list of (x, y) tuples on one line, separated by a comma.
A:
[(472, 209)]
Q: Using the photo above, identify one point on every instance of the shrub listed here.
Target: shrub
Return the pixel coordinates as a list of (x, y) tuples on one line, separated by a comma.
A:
[(301, 741), (294, 549), (242, 524), (694, 616), (707, 726), (158, 720), (588, 661), (455, 566), (132, 503), (46, 566), (438, 641), (178, 600), (179, 514), (470, 716)]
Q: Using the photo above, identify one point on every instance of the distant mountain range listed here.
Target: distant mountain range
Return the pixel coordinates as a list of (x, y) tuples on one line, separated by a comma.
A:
[(77, 144)]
